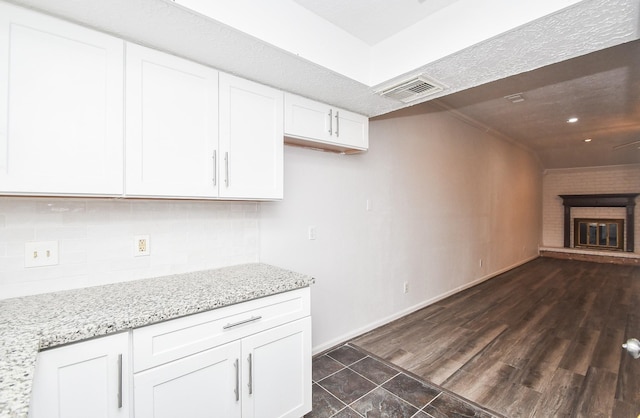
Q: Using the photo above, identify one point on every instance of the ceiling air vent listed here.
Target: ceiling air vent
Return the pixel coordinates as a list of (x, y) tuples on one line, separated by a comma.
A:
[(412, 89)]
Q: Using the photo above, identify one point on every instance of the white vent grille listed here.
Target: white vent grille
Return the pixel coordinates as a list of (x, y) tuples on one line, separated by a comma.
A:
[(413, 89)]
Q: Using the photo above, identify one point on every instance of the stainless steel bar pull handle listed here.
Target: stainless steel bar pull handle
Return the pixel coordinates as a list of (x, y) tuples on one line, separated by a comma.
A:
[(250, 384), (215, 167), (237, 389), (337, 123), (119, 381), (330, 121), (226, 169), (244, 321)]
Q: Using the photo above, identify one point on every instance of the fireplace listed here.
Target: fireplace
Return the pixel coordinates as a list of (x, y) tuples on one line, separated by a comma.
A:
[(600, 233)]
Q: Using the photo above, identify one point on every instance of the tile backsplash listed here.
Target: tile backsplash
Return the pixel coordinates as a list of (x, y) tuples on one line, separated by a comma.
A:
[(96, 239)]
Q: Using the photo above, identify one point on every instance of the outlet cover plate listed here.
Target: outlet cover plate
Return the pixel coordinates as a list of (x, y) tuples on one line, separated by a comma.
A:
[(40, 254), (141, 245)]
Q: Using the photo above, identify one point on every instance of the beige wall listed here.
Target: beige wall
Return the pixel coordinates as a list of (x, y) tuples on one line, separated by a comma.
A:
[(618, 179), (443, 195)]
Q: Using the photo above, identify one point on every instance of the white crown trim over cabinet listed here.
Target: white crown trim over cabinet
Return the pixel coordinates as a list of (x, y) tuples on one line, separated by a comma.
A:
[(61, 107)]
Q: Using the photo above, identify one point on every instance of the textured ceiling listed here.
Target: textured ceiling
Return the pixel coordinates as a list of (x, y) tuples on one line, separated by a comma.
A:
[(602, 89), (374, 20), (585, 27)]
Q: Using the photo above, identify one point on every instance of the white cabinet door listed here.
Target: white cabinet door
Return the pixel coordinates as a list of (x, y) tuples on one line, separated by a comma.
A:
[(351, 129), (304, 118), (278, 371), (61, 107), (251, 140), (171, 125), (312, 121), (203, 385), (86, 379)]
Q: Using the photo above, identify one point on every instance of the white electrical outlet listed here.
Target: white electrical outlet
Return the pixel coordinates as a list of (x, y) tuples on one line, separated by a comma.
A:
[(312, 233), (40, 254), (481, 262), (141, 245), (405, 287)]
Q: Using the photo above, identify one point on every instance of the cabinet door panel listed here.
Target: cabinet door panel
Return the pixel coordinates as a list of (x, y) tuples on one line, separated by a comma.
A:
[(172, 129), (199, 386), (353, 129), (60, 106), (307, 119), (251, 139), (82, 380), (279, 379)]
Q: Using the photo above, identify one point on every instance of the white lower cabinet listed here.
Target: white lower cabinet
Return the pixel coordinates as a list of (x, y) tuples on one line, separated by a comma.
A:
[(264, 375), (249, 360), (199, 386), (278, 379), (87, 379)]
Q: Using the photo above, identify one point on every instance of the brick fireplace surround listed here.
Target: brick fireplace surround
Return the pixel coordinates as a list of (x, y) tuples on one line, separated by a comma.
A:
[(626, 200)]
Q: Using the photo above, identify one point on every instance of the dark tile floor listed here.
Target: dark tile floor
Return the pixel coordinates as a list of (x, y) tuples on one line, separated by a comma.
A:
[(348, 382)]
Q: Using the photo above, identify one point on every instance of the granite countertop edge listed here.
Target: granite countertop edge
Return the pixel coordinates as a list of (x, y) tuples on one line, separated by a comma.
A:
[(32, 323)]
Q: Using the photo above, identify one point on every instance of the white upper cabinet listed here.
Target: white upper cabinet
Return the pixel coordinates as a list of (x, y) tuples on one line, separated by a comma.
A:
[(311, 123), (171, 126), (251, 140), (61, 107)]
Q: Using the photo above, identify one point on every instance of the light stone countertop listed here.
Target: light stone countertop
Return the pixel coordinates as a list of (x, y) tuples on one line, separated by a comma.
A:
[(29, 324)]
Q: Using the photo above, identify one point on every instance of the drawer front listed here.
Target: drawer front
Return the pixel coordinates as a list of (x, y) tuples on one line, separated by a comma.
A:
[(167, 341)]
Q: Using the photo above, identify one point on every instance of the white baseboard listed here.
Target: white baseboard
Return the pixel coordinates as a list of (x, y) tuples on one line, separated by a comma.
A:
[(383, 321)]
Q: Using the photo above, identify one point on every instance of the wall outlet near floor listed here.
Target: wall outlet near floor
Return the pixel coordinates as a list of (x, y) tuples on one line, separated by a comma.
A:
[(312, 233), (141, 245), (40, 254), (481, 262), (405, 287)]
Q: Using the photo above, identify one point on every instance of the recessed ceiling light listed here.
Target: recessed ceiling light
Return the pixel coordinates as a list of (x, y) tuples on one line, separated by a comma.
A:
[(587, 140), (515, 98), (572, 120)]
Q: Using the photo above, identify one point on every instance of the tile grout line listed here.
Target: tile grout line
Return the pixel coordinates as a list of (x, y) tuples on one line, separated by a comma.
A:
[(377, 386), (339, 400), (394, 369), (434, 386)]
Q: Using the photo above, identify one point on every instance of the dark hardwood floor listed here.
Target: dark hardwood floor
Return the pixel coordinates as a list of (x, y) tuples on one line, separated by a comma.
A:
[(542, 340)]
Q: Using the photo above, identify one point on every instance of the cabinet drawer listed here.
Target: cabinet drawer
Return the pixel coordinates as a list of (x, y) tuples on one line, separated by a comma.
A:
[(167, 341)]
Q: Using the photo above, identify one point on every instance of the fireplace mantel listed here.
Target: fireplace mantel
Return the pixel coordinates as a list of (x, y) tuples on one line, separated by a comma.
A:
[(619, 200)]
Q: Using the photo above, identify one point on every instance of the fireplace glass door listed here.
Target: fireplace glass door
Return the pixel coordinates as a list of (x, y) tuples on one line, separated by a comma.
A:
[(606, 234)]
